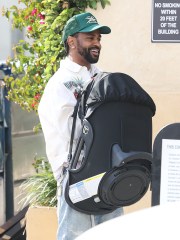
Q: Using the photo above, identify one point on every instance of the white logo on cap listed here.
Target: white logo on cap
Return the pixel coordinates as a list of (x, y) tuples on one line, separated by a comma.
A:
[(91, 19)]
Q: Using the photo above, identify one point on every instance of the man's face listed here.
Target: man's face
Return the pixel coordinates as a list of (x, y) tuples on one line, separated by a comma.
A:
[(88, 46)]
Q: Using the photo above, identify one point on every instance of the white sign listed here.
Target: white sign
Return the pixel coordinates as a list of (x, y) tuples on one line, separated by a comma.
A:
[(170, 171)]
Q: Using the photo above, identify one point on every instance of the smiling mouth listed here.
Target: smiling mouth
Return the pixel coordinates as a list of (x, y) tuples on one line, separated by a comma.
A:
[(95, 52)]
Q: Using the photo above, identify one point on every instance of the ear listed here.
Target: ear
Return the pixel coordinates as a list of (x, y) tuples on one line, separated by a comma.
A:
[(71, 42)]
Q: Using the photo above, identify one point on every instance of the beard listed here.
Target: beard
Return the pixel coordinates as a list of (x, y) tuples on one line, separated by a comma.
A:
[(87, 55)]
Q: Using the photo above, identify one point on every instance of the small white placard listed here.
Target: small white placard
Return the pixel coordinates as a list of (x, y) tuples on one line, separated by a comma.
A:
[(170, 171)]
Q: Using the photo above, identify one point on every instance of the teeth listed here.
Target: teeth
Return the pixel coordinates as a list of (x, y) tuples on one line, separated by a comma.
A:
[(95, 50)]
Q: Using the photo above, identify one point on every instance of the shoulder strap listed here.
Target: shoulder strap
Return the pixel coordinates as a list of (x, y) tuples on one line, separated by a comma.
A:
[(74, 115), (84, 97), (81, 100)]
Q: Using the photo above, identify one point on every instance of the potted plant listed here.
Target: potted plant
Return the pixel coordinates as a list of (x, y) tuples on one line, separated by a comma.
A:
[(39, 192)]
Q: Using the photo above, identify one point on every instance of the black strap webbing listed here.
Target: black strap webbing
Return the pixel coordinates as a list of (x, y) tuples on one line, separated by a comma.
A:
[(80, 98), (74, 115)]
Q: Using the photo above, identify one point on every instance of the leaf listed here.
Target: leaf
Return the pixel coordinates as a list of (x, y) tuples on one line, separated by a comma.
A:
[(14, 8), (7, 14), (93, 4)]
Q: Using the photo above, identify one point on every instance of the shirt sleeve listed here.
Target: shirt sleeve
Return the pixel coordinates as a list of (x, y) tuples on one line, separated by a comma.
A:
[(55, 114)]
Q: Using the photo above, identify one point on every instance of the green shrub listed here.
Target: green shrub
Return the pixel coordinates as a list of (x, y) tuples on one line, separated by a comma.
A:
[(39, 189)]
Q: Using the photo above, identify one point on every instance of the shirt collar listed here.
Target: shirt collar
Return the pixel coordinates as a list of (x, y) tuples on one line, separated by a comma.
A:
[(74, 67)]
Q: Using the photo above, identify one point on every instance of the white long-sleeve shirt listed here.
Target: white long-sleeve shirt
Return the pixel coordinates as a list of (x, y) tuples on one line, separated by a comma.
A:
[(56, 108)]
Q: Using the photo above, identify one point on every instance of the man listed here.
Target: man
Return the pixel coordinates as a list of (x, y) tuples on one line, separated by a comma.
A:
[(81, 37)]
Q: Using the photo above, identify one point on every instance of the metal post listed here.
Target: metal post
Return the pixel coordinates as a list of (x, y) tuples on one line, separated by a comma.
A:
[(6, 144), (8, 161)]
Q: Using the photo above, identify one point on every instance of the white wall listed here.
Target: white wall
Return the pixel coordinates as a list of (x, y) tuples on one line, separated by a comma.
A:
[(8, 37), (5, 39)]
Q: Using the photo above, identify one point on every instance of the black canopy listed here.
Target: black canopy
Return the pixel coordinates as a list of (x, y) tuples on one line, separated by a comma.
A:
[(108, 87)]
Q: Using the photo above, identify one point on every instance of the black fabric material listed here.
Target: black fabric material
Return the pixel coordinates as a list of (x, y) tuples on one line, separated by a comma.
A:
[(108, 87)]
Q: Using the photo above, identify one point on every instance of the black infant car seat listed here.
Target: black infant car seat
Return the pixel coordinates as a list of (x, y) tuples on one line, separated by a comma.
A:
[(111, 164)]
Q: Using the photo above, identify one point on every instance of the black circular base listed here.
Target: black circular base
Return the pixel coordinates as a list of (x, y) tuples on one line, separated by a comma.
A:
[(124, 186)]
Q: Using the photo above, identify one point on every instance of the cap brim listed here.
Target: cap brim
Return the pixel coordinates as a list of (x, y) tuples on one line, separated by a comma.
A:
[(102, 29)]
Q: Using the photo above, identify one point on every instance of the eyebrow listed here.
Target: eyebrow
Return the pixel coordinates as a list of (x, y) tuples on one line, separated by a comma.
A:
[(92, 34)]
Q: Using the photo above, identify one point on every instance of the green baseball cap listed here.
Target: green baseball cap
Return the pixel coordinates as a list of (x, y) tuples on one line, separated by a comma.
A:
[(84, 22)]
